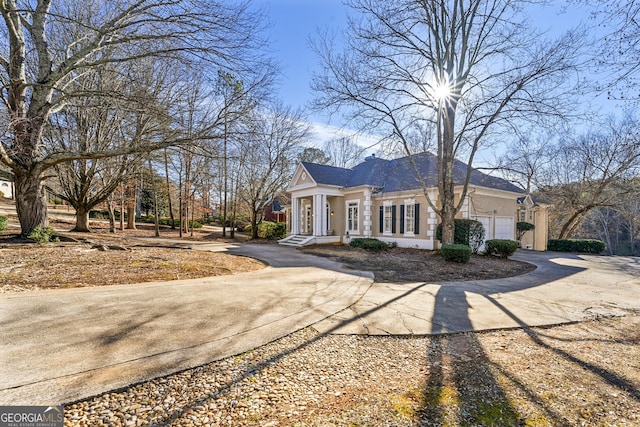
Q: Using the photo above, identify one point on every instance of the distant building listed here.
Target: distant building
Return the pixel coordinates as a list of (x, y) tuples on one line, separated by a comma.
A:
[(6, 188)]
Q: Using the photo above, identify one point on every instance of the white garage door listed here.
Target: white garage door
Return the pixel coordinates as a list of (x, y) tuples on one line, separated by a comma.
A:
[(504, 228), (486, 223)]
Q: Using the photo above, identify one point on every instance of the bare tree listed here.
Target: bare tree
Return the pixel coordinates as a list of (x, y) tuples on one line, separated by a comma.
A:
[(585, 172), (267, 156), (617, 57), (343, 151), (525, 159), (467, 69), (49, 45), (314, 155)]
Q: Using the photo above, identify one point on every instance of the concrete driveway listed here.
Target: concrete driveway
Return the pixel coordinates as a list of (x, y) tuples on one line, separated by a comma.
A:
[(64, 345), (563, 288)]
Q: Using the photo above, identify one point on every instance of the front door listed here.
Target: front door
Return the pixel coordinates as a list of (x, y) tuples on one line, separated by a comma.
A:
[(308, 220)]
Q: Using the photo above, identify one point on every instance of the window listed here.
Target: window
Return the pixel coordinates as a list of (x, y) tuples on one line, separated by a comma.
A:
[(523, 215), (388, 219), (352, 217), (409, 219)]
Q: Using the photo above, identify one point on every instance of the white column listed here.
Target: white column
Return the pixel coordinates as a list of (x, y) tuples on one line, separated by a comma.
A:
[(295, 215), (317, 215), (323, 214), (367, 213)]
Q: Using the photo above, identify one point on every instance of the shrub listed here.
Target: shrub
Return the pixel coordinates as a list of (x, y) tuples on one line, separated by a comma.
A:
[(43, 235), (591, 246), (272, 230), (3, 223), (467, 232), (501, 247), (522, 227), (373, 245), (456, 253)]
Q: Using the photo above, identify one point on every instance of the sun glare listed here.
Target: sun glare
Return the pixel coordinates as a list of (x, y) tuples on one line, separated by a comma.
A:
[(441, 91)]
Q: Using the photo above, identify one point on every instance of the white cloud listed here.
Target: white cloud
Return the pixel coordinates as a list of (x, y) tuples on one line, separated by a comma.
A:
[(321, 133)]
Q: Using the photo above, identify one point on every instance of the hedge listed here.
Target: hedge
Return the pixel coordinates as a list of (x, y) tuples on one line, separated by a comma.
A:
[(373, 245), (271, 230), (3, 223), (501, 247), (456, 253), (467, 232), (590, 246)]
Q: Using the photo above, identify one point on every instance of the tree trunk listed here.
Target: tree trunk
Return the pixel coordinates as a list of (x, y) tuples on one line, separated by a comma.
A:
[(82, 220), (166, 174), (112, 216), (31, 205), (122, 209), (446, 122), (156, 224), (254, 225), (131, 216)]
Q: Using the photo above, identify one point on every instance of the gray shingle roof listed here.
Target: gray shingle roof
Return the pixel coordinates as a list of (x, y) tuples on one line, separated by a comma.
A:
[(399, 175)]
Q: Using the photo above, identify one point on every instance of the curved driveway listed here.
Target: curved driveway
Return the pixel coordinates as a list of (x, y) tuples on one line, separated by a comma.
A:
[(63, 345)]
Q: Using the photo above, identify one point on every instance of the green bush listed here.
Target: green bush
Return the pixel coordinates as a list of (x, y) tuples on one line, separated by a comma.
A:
[(456, 253), (468, 232), (590, 246), (373, 245), (43, 235), (501, 247), (3, 223), (272, 230)]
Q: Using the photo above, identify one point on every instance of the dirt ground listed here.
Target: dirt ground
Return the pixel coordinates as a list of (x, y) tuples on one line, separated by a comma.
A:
[(100, 259), (415, 265)]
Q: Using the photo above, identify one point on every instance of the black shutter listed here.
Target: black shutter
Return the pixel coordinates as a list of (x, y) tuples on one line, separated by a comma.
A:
[(417, 219), (393, 218), (381, 219), (401, 219)]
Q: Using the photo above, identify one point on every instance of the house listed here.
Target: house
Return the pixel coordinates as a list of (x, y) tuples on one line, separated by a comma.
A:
[(274, 210), (384, 199), (536, 213)]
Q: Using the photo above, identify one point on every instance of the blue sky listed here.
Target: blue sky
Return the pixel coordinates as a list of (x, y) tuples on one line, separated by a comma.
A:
[(294, 22)]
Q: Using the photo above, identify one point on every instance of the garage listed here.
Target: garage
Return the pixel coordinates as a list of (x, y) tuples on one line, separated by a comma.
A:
[(505, 228)]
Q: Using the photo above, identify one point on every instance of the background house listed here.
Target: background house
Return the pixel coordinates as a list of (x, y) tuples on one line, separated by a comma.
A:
[(384, 199)]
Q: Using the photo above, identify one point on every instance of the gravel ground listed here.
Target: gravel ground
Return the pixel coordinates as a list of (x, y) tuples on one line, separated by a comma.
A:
[(584, 374)]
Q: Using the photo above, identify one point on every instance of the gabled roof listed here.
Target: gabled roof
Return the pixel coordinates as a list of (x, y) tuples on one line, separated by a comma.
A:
[(399, 175), (328, 175)]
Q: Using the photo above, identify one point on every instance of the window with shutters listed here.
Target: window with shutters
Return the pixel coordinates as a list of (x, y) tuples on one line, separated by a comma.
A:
[(410, 218), (388, 218)]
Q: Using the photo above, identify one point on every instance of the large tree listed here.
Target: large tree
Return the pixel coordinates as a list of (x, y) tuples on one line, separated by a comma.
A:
[(48, 45), (586, 172), (267, 156), (466, 69)]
